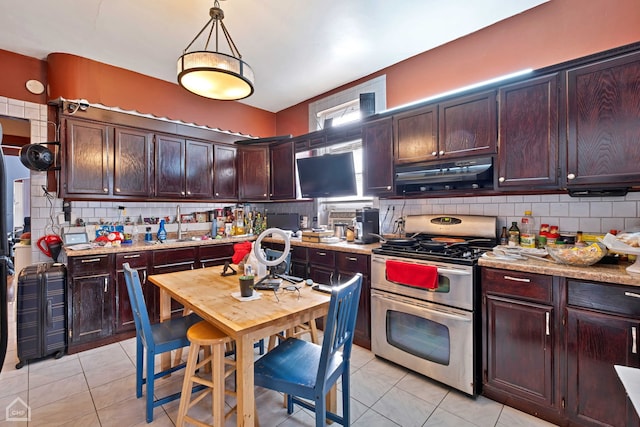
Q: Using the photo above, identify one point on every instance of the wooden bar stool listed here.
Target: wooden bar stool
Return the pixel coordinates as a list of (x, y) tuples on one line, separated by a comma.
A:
[(214, 342)]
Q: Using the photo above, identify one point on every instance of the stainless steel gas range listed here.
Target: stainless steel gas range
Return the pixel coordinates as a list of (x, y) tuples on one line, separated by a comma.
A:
[(424, 297)]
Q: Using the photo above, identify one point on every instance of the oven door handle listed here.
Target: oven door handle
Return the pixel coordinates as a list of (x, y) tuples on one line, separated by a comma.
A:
[(431, 308), (440, 269)]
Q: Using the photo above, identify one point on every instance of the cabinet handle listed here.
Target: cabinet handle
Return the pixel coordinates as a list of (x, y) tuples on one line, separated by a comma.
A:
[(117, 190), (517, 279), (441, 153), (547, 315), (388, 187), (182, 193), (217, 194), (351, 258), (634, 339), (322, 253), (189, 193), (434, 153), (132, 256), (571, 176), (501, 179), (106, 284), (144, 276), (105, 189), (632, 294), (90, 260)]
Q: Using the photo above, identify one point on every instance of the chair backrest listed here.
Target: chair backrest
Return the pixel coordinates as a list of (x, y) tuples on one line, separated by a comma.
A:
[(272, 254), (340, 323), (138, 305)]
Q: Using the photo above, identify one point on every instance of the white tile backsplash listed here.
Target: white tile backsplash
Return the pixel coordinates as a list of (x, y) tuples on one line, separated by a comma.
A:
[(590, 215)]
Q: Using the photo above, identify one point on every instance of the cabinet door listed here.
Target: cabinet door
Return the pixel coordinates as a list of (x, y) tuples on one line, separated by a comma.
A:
[(253, 173), (519, 348), (124, 315), (603, 117), (377, 144), (224, 172), (170, 175), (416, 137), (283, 171), (92, 308), (595, 343), (88, 157), (467, 126), (528, 134), (199, 170), (133, 165), (348, 265)]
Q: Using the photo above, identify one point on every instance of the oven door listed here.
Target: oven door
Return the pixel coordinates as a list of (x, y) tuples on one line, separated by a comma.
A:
[(431, 339)]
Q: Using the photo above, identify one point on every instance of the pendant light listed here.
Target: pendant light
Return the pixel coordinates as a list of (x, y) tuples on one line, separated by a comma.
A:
[(213, 74)]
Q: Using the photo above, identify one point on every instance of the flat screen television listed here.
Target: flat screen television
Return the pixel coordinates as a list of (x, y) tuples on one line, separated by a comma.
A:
[(331, 175)]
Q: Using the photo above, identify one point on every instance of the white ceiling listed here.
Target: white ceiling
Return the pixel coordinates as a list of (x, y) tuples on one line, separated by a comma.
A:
[(297, 48)]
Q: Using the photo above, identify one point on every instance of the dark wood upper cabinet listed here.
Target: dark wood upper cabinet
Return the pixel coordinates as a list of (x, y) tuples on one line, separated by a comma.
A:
[(199, 170), (602, 122), (225, 185), (416, 135), (377, 157), (87, 161), (253, 173), (170, 166), (133, 163), (528, 134), (467, 126), (283, 171)]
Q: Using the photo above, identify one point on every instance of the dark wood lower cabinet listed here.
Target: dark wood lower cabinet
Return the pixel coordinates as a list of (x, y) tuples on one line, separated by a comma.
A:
[(124, 315), (550, 345), (90, 302), (602, 331)]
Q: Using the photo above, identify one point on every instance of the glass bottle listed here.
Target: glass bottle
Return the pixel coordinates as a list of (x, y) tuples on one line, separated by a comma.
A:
[(514, 234), (504, 237)]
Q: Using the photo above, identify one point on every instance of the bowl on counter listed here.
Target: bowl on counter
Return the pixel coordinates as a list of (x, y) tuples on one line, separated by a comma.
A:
[(581, 256)]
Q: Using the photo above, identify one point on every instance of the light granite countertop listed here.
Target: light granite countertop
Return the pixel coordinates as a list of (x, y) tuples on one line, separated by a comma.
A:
[(606, 273), (141, 246)]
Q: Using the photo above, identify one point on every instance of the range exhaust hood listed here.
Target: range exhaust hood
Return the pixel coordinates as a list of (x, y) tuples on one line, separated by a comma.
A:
[(453, 175)]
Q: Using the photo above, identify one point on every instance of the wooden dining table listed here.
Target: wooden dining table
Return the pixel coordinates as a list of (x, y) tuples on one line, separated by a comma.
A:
[(209, 294)]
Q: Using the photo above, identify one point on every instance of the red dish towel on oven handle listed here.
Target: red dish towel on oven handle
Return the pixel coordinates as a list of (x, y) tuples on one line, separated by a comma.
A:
[(417, 275)]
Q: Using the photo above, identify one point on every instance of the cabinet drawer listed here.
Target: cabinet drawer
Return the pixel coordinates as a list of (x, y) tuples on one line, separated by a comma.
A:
[(322, 257), (215, 252), (135, 259), (174, 256), (623, 300), (90, 265), (534, 287), (355, 263)]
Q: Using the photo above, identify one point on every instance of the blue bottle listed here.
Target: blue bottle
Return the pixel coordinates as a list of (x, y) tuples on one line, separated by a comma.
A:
[(162, 233)]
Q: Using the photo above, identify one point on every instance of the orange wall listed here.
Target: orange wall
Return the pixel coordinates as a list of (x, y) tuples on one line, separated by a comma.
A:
[(15, 71), (554, 32), (74, 77)]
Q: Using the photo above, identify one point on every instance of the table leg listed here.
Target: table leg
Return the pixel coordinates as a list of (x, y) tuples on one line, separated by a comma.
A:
[(245, 382), (165, 314)]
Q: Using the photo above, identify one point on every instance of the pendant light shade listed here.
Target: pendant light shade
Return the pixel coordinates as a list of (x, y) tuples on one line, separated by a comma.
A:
[(213, 74)]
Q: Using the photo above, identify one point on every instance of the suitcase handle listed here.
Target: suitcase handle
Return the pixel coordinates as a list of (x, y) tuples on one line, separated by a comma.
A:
[(49, 314)]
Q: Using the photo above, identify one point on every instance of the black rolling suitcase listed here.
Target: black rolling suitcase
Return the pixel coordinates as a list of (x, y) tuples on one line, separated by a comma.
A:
[(41, 312)]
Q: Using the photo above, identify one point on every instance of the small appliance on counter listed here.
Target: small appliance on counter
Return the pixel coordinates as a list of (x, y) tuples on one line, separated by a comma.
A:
[(368, 224)]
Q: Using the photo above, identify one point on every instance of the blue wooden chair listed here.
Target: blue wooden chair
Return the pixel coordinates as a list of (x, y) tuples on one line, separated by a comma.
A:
[(281, 370), (155, 339)]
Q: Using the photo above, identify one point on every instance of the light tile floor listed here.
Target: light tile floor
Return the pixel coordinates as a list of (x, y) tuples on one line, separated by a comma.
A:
[(97, 388)]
